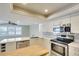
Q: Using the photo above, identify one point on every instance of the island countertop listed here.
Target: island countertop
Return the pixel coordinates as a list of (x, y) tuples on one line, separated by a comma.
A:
[(14, 39)]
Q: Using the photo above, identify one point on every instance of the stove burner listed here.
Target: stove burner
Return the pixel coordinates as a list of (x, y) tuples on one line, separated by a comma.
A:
[(62, 41)]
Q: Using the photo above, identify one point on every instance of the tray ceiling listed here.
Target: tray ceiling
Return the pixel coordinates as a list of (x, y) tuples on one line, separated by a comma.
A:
[(41, 9)]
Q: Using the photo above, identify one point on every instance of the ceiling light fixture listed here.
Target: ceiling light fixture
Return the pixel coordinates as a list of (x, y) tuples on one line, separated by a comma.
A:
[(46, 10)]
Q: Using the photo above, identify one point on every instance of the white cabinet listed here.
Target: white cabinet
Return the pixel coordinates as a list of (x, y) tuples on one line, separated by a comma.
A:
[(40, 41), (37, 41), (48, 26), (75, 24), (66, 20), (71, 51), (74, 49), (46, 43), (62, 21), (10, 46)]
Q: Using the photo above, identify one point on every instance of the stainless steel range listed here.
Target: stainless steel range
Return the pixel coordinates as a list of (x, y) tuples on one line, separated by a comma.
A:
[(59, 46)]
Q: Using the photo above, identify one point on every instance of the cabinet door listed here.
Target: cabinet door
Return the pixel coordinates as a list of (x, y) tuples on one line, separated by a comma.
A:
[(62, 21), (47, 43), (73, 51), (11, 46), (74, 24), (21, 44), (36, 41)]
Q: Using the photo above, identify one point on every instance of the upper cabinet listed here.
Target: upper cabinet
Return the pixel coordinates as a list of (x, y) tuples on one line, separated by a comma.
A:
[(48, 26), (74, 24), (62, 21), (66, 20)]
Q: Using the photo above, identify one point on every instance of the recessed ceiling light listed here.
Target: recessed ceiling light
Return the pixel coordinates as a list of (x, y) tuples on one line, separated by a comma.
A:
[(46, 10)]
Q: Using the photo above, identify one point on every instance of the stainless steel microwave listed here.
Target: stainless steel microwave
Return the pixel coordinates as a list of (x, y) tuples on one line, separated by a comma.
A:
[(60, 29)]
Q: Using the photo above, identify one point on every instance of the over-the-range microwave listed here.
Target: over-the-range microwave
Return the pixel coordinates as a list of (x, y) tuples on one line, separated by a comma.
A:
[(60, 29)]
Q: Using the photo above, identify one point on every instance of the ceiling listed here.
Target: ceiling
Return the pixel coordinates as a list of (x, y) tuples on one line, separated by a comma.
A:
[(42, 9)]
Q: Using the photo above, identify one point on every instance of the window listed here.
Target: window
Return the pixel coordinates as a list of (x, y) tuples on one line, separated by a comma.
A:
[(18, 30), (10, 30), (3, 30)]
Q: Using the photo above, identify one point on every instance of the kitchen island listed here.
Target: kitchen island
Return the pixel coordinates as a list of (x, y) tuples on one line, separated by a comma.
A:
[(34, 50)]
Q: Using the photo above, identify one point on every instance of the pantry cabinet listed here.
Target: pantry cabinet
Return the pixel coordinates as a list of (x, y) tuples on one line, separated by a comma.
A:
[(75, 24)]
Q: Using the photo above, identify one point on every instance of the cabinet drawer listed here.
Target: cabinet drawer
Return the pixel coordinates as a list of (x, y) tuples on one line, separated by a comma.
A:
[(22, 44), (11, 46)]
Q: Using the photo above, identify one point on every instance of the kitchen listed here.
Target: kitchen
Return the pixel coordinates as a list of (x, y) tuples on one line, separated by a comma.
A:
[(24, 26)]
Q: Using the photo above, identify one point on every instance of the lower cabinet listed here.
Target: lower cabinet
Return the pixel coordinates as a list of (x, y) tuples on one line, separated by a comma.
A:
[(73, 51), (10, 46), (41, 42), (21, 44), (47, 43), (3, 47), (37, 41)]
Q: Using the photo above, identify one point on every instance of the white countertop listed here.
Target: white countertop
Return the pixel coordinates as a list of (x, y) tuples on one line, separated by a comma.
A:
[(14, 39), (49, 38), (20, 39)]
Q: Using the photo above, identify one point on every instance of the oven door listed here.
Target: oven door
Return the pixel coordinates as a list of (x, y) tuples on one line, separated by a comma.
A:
[(59, 49)]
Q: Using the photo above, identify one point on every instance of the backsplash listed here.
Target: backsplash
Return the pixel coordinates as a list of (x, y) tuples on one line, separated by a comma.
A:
[(48, 34), (76, 37)]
